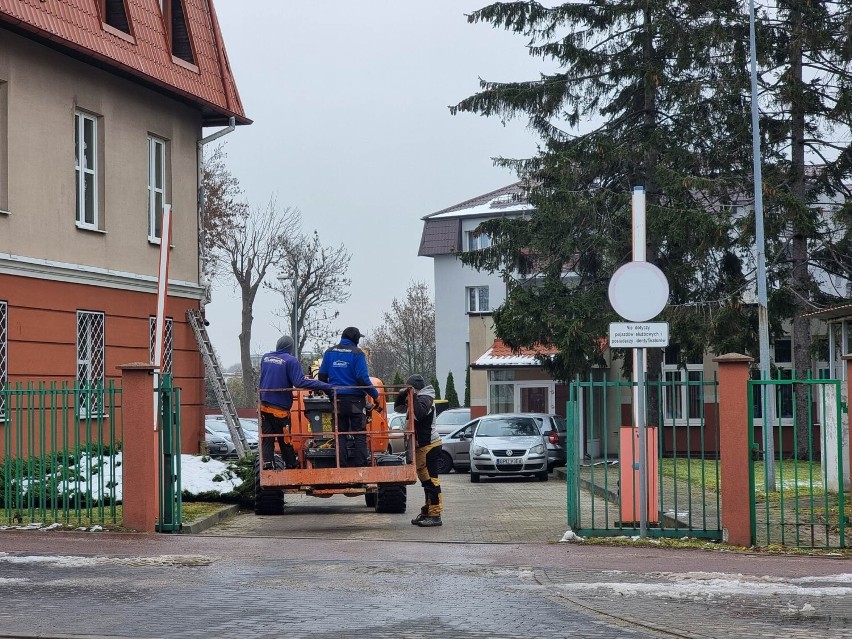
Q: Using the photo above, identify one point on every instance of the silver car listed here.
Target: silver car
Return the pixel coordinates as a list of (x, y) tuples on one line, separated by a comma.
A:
[(509, 445), (447, 421), (217, 425), (455, 449)]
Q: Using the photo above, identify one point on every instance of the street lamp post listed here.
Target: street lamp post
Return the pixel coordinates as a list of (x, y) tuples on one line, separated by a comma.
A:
[(760, 250)]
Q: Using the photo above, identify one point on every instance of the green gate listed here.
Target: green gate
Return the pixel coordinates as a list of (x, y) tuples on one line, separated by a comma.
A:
[(682, 462), (170, 510), (61, 459), (805, 505)]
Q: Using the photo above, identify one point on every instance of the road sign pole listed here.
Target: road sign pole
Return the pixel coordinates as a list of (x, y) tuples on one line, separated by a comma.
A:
[(639, 255)]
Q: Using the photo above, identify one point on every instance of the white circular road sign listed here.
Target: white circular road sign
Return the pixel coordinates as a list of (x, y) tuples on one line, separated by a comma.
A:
[(638, 291)]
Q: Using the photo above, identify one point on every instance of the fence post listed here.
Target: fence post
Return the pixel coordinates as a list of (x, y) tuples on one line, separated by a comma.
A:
[(734, 447), (139, 447)]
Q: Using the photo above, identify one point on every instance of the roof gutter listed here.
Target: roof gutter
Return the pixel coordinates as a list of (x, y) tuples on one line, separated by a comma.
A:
[(203, 278)]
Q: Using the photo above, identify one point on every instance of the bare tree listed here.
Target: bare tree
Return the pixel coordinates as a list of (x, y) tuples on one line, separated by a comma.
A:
[(381, 355), (408, 333), (222, 208), (319, 275), (249, 250)]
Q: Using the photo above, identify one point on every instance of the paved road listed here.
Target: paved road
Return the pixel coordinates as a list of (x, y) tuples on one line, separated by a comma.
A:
[(306, 574)]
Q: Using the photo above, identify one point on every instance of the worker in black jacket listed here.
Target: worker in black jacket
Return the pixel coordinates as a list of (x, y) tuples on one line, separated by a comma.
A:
[(428, 447)]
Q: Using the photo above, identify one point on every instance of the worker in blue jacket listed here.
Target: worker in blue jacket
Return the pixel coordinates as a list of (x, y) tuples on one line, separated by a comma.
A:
[(345, 367), (279, 373)]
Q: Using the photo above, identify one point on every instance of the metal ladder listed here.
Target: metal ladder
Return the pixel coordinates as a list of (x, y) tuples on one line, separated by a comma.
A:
[(214, 375)]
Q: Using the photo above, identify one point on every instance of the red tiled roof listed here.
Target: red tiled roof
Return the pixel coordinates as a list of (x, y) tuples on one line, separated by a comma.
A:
[(500, 349), (76, 24)]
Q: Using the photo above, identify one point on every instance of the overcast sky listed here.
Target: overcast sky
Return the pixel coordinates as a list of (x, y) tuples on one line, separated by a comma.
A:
[(349, 102)]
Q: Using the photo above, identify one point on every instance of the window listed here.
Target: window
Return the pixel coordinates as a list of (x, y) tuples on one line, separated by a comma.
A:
[(177, 30), (167, 342), (501, 391), (475, 241), (683, 388), (90, 360), (477, 299), (156, 187), (86, 158), (783, 358), (114, 14), (4, 349)]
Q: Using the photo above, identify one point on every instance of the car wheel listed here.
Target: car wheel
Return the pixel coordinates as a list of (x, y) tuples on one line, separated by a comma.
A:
[(543, 475), (267, 501), (370, 499), (445, 464), (474, 477), (390, 499)]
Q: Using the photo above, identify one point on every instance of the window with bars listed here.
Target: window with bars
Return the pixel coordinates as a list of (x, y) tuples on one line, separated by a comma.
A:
[(477, 299), (4, 350), (156, 187), (167, 342), (90, 361), (86, 169), (782, 356)]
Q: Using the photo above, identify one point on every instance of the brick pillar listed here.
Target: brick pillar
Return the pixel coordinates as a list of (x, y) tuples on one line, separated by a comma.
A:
[(848, 438), (734, 447), (140, 447)]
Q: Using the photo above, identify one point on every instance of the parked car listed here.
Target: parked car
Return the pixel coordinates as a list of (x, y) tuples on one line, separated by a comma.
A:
[(450, 419), (217, 446), (455, 449), (555, 429), (396, 439), (217, 425), (508, 445)]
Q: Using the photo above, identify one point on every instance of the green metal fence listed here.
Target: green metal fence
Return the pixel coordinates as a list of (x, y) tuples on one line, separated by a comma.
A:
[(170, 514), (804, 503), (61, 453), (682, 464)]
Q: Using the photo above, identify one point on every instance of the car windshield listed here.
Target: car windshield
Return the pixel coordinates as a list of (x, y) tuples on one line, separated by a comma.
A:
[(216, 425), (507, 427), (452, 418)]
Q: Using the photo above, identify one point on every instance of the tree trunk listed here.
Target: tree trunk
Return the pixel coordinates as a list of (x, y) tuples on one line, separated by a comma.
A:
[(799, 276), (249, 376)]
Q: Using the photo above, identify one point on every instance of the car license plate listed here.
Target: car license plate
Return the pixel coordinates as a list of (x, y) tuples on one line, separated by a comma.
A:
[(506, 461)]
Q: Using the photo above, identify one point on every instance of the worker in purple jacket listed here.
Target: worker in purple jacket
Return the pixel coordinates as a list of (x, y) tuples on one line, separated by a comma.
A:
[(279, 370)]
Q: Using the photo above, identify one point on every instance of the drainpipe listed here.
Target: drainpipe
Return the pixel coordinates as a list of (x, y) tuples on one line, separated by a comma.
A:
[(202, 276)]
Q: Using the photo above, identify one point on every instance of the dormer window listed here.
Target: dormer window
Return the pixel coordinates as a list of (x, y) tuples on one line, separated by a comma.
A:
[(114, 13), (177, 30)]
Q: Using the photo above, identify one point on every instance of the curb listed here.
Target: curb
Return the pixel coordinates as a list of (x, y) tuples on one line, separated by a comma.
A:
[(211, 520)]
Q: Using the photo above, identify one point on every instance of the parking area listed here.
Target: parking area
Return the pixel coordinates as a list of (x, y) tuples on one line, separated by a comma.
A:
[(499, 510)]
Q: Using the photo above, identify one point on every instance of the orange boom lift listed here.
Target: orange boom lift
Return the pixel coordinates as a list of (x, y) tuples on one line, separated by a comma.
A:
[(314, 438)]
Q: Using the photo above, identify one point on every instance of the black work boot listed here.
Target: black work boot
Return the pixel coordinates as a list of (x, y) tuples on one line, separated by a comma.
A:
[(428, 522), (420, 517)]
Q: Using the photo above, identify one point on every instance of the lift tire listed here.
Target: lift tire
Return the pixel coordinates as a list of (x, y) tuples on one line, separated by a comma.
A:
[(391, 499), (370, 499), (267, 501)]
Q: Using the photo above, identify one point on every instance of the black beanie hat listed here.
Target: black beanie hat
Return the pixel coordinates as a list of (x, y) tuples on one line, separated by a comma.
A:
[(285, 343), (416, 381)]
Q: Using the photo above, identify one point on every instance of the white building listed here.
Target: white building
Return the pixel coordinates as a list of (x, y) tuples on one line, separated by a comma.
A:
[(465, 297)]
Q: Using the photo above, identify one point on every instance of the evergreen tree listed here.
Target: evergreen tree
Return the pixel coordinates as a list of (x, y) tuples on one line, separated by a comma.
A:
[(436, 386), (397, 381), (667, 81), (467, 388), (450, 393)]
